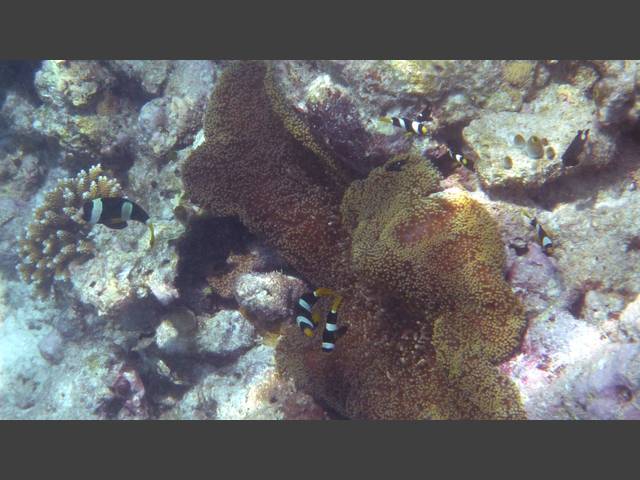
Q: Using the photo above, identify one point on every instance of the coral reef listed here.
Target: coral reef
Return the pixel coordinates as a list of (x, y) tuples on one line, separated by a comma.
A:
[(302, 185), (297, 213), (57, 233)]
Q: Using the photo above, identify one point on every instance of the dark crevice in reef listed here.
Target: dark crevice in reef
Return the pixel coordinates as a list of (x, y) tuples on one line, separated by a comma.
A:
[(19, 75), (203, 251)]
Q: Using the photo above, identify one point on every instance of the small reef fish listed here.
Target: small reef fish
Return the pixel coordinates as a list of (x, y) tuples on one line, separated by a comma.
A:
[(115, 212), (416, 126), (570, 156), (462, 160), (543, 237), (308, 319), (447, 160), (411, 126)]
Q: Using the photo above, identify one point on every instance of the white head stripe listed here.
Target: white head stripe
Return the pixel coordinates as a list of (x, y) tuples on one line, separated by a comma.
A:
[(415, 126), (300, 319), (331, 327), (546, 241), (125, 211), (304, 305), (328, 346), (96, 210)]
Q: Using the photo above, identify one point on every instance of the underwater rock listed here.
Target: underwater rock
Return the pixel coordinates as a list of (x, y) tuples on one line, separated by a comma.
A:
[(343, 100), (51, 347), (616, 94), (268, 297), (225, 333), (124, 268), (171, 121), (151, 75), (607, 387), (630, 321), (555, 343), (11, 211), (71, 83), (233, 392), (600, 306), (32, 388), (23, 373), (99, 134), (535, 279), (22, 172), (170, 341), (591, 237), (556, 115), (19, 113)]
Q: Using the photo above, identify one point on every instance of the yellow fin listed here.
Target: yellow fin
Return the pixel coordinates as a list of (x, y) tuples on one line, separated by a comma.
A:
[(152, 235)]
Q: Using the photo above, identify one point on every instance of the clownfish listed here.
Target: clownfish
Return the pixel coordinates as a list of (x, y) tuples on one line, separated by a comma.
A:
[(570, 156), (115, 212), (543, 237), (411, 126), (308, 319), (416, 126), (461, 159)]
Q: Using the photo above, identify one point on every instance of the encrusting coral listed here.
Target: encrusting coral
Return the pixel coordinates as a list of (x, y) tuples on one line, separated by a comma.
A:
[(56, 236), (427, 312)]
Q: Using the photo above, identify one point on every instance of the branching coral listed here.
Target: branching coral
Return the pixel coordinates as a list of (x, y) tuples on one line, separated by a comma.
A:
[(55, 237), (427, 311)]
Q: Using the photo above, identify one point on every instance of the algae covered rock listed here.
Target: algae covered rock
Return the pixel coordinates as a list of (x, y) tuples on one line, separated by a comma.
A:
[(268, 297), (525, 149)]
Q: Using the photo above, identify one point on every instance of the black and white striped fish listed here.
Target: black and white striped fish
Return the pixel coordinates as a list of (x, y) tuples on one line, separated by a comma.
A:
[(543, 237), (308, 319), (304, 313), (411, 126), (115, 212)]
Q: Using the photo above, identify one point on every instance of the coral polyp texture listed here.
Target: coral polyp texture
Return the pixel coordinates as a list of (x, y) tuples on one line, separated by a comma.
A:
[(427, 311), (57, 234)]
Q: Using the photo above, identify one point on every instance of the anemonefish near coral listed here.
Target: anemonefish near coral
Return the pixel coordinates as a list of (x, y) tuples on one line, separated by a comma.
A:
[(570, 156), (308, 318), (416, 126), (115, 212), (543, 237)]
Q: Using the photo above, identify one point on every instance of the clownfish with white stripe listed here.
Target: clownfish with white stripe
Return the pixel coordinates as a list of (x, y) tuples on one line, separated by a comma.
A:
[(416, 126), (543, 237), (308, 318), (115, 212), (461, 159)]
